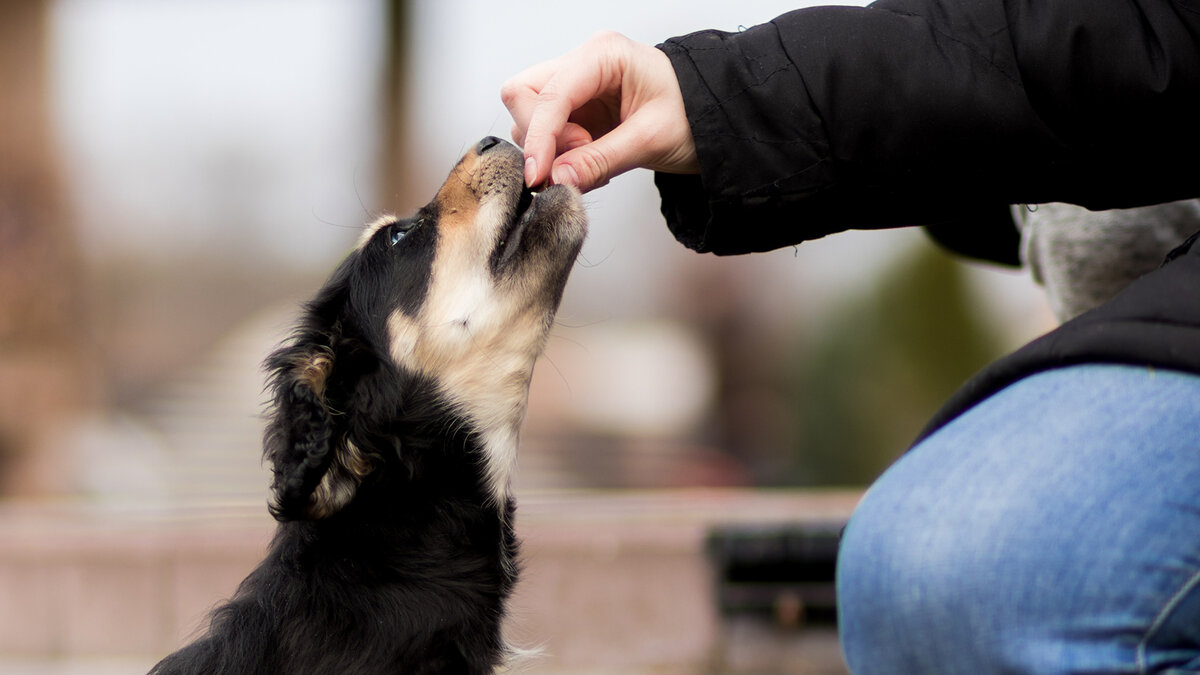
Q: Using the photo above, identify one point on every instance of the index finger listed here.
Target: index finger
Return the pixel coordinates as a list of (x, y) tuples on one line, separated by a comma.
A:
[(547, 120), (519, 94), (573, 80)]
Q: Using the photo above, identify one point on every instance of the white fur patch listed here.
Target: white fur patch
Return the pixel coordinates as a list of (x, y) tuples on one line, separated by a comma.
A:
[(482, 364), (477, 340)]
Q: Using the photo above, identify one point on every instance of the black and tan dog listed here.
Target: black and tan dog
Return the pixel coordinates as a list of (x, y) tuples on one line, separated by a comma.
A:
[(393, 436)]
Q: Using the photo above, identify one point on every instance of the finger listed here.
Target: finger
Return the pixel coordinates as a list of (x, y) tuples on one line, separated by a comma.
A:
[(594, 164), (519, 93), (547, 121), (522, 95), (572, 136), (581, 77)]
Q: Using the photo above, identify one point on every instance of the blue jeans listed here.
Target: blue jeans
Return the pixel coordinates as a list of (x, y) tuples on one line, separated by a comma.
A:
[(1052, 528)]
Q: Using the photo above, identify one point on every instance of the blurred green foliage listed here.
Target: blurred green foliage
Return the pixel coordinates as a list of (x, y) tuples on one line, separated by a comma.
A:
[(872, 377)]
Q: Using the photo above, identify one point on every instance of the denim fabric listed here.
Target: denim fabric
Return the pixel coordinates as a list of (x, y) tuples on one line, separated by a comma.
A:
[(1052, 528)]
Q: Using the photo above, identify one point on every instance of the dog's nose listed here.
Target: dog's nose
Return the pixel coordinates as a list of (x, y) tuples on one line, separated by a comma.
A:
[(487, 144)]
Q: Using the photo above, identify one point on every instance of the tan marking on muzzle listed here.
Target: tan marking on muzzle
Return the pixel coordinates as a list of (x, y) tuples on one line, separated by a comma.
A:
[(458, 198)]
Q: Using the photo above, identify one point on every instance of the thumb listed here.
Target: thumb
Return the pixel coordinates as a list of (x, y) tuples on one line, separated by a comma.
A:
[(592, 165)]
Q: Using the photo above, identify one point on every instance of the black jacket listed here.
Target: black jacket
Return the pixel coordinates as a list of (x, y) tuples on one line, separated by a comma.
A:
[(941, 113)]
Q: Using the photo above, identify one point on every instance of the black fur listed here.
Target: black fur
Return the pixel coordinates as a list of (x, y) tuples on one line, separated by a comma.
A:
[(411, 575)]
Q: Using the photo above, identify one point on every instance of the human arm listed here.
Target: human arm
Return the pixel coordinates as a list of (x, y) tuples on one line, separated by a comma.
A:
[(932, 112)]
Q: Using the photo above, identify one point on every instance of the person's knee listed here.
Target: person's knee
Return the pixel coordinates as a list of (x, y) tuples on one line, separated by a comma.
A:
[(1032, 531), (916, 592)]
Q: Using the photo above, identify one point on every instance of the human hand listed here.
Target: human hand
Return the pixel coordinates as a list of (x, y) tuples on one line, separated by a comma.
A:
[(609, 106)]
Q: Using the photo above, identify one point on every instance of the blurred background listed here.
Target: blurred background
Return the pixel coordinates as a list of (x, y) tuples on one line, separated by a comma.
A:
[(176, 176)]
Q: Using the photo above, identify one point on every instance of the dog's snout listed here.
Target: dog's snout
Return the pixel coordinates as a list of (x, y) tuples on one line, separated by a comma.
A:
[(487, 144)]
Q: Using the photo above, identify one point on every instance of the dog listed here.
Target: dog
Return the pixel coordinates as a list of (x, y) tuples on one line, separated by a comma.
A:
[(393, 435)]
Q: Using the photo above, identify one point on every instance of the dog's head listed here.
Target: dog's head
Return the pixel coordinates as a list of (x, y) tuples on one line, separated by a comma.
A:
[(452, 306)]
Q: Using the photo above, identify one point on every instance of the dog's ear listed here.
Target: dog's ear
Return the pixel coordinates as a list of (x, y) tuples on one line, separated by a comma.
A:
[(316, 468)]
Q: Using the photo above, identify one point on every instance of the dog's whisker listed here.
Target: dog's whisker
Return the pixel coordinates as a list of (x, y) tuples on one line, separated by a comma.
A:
[(330, 223), (587, 264), (358, 195), (572, 326), (561, 376)]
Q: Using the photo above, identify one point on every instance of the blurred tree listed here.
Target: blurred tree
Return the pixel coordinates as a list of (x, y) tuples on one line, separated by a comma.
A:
[(872, 379), (395, 162), (44, 375)]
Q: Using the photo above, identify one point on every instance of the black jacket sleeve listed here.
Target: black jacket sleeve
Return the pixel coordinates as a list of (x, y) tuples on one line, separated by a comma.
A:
[(933, 112)]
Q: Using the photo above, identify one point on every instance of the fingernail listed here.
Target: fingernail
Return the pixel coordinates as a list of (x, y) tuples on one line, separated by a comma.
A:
[(565, 174), (530, 171)]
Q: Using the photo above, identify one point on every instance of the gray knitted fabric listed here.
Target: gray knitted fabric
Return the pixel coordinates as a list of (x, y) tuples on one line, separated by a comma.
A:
[(1083, 258)]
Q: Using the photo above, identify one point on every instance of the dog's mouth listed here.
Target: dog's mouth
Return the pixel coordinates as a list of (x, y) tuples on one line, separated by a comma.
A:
[(510, 236), (525, 201), (532, 206)]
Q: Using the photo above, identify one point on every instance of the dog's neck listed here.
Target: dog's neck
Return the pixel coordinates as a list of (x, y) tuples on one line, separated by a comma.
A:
[(482, 366), (495, 410)]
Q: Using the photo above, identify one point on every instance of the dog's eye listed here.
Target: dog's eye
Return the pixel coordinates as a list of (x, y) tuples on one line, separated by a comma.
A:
[(400, 230)]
